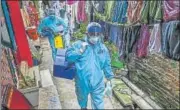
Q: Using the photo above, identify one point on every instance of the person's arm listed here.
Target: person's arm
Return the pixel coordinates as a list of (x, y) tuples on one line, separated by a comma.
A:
[(107, 66), (73, 53)]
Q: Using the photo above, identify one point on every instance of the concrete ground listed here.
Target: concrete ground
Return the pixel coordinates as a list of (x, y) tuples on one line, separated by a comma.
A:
[(66, 90)]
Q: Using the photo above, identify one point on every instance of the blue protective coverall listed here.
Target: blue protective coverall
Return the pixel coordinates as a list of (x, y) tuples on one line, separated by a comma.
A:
[(49, 26), (91, 67)]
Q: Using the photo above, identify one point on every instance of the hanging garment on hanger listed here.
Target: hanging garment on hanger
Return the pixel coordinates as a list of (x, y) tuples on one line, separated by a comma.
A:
[(144, 12), (155, 11), (134, 9), (171, 10), (120, 12), (81, 14), (143, 41), (155, 39), (171, 39)]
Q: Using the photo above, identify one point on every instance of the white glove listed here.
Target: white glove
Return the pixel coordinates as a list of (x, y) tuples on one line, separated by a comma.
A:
[(83, 47), (108, 89)]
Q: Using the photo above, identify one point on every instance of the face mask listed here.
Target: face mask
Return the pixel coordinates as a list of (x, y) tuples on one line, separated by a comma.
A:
[(93, 40)]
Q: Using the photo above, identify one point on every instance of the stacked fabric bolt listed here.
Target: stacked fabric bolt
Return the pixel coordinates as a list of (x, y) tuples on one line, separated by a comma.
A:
[(158, 76)]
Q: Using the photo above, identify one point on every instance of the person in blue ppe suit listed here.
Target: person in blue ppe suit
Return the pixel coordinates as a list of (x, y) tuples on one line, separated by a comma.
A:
[(92, 62), (52, 25)]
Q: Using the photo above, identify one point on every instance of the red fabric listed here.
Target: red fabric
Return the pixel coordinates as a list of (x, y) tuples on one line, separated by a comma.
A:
[(18, 101), (23, 51)]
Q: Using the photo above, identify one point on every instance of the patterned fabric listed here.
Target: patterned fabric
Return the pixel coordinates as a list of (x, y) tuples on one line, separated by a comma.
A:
[(171, 10), (134, 9), (143, 42)]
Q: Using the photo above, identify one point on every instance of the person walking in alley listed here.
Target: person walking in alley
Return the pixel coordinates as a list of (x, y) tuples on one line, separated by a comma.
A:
[(92, 61)]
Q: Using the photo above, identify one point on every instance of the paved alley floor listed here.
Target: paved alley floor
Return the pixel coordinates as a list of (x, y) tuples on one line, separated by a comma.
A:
[(66, 90)]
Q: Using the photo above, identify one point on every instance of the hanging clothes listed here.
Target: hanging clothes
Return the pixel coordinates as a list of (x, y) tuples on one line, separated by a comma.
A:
[(114, 33), (99, 6), (40, 9), (120, 12), (171, 10), (108, 9), (25, 17), (56, 6), (155, 39), (144, 12), (71, 2), (171, 39), (155, 11), (33, 14), (120, 42), (131, 35), (133, 11), (81, 14), (143, 41)]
